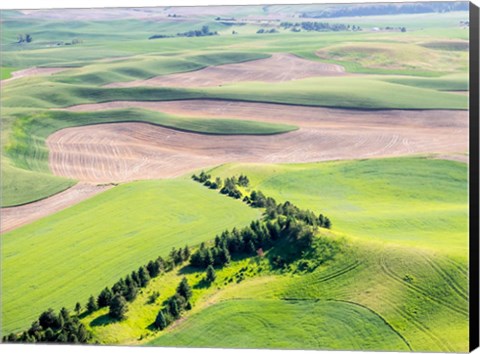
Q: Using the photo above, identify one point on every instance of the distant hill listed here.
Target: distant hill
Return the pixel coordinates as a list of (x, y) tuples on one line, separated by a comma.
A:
[(349, 10)]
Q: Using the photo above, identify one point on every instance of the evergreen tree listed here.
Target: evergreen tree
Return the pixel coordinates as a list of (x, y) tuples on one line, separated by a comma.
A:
[(251, 249), (224, 256), (135, 279), (210, 274), (105, 297), (143, 276), (328, 223), (131, 293), (174, 308), (78, 308), (118, 307), (49, 335), (91, 305), (161, 321), (184, 289), (209, 260), (72, 338), (153, 268), (48, 319), (186, 253)]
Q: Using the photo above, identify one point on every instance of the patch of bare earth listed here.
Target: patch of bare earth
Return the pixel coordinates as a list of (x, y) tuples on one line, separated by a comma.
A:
[(14, 217), (32, 72), (129, 151), (279, 67)]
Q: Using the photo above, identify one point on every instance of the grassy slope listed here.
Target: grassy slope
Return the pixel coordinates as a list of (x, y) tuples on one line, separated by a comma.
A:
[(16, 185), (456, 82), (285, 324), (429, 311), (6, 72), (144, 67), (348, 92), (410, 201), (78, 251)]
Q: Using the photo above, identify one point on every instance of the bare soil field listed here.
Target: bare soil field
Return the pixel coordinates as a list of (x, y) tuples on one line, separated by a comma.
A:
[(14, 217), (129, 151), (33, 72), (279, 67)]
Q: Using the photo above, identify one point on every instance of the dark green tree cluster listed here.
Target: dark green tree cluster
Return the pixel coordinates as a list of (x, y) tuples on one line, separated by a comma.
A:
[(175, 305), (318, 26), (258, 200), (24, 38), (264, 31), (228, 187), (288, 209), (50, 327), (204, 31), (259, 234), (179, 256), (205, 256), (243, 181), (202, 177)]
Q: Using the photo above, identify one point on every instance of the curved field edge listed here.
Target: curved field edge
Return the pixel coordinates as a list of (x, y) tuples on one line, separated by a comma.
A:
[(308, 324), (16, 185), (6, 72), (103, 238), (149, 66), (340, 92), (28, 153)]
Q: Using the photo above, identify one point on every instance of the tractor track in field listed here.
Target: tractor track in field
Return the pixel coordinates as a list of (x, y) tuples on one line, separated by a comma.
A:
[(392, 275), (381, 317), (420, 326), (337, 273), (449, 279)]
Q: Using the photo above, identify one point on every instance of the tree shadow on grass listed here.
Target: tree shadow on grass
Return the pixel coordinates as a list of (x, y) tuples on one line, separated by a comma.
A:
[(202, 284), (189, 270), (102, 320)]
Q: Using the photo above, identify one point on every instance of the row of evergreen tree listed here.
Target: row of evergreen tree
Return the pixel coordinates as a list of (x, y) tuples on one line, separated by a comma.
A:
[(126, 289), (319, 26), (50, 327), (68, 329), (258, 200), (229, 186)]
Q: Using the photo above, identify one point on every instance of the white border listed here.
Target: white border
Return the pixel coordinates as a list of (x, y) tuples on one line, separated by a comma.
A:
[(62, 349)]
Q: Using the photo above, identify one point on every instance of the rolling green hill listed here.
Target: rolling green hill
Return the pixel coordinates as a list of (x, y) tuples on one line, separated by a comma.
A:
[(78, 251), (401, 285), (285, 324), (397, 200)]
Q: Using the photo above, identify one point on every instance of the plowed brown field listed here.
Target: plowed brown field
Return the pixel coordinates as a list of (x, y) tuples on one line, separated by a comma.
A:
[(279, 67), (32, 72), (130, 151), (20, 215)]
